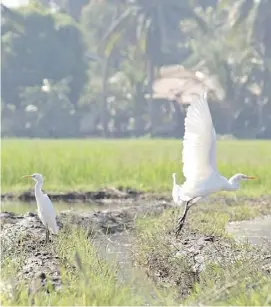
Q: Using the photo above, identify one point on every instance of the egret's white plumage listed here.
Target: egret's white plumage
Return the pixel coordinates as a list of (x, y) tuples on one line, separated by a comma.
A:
[(176, 191), (199, 159), (46, 210)]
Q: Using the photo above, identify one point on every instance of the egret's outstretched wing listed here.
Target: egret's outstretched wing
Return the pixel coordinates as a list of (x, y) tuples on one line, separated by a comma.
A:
[(199, 144)]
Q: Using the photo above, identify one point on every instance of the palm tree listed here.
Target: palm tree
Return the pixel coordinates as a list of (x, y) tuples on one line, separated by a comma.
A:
[(151, 25), (11, 20), (238, 30)]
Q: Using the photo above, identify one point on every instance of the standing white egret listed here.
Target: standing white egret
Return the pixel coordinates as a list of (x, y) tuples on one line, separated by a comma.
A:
[(46, 210), (199, 159)]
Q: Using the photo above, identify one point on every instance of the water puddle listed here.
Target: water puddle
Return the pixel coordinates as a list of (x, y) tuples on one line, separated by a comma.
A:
[(256, 231), (117, 248)]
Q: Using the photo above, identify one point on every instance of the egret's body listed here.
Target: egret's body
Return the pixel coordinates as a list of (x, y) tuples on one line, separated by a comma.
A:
[(199, 159), (176, 191), (46, 210)]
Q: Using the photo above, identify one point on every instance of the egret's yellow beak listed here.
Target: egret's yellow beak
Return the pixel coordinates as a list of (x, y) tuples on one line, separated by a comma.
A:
[(27, 176), (251, 177)]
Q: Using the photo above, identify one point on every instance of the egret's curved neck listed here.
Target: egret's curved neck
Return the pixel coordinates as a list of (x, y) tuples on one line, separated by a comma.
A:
[(38, 187), (234, 184), (174, 180)]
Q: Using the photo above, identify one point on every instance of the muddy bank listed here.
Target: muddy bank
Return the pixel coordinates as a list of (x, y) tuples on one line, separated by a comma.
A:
[(120, 193), (27, 231), (124, 194), (114, 220), (26, 234), (180, 263), (23, 237)]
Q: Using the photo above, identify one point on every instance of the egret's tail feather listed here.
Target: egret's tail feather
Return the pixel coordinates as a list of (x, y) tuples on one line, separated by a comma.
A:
[(55, 229)]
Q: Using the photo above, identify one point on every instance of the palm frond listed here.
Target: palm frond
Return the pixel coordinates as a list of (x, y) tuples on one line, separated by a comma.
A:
[(114, 27), (186, 10)]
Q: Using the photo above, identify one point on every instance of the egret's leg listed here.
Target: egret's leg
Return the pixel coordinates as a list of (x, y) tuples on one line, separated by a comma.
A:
[(182, 219), (47, 235)]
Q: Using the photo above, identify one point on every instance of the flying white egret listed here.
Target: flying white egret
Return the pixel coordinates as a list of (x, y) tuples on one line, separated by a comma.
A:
[(199, 160), (46, 210)]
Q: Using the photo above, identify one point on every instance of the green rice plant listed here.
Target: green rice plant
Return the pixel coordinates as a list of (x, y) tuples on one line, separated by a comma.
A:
[(143, 164)]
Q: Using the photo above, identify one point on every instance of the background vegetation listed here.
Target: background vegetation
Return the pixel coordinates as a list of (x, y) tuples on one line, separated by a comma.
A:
[(100, 59), (73, 165)]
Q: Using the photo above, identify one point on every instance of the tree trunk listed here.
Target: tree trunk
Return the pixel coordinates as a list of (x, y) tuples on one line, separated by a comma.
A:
[(150, 100), (104, 113)]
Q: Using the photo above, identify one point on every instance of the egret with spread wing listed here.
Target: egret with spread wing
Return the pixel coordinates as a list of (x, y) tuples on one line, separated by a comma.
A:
[(46, 210), (199, 159)]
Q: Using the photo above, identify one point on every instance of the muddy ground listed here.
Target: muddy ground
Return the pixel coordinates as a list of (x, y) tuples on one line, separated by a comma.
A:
[(26, 232), (112, 194), (120, 193)]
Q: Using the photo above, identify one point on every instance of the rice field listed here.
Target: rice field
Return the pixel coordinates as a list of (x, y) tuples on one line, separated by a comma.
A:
[(89, 278), (83, 165)]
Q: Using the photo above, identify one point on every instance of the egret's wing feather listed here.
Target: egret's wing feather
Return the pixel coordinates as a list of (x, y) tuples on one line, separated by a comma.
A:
[(199, 144), (48, 214)]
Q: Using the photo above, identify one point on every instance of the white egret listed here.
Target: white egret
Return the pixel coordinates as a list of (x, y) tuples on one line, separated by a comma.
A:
[(199, 160), (176, 190), (46, 87), (46, 210)]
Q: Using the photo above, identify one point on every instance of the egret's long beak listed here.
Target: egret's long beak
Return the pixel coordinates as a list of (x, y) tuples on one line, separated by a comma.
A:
[(27, 176), (251, 177)]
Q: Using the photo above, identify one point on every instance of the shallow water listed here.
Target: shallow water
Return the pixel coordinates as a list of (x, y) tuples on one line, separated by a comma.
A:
[(117, 249), (24, 207), (256, 231)]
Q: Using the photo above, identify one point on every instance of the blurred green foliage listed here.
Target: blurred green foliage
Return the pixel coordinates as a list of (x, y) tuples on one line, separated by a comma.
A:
[(108, 54)]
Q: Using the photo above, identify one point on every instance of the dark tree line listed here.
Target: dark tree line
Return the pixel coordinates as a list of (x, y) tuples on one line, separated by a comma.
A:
[(93, 68)]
